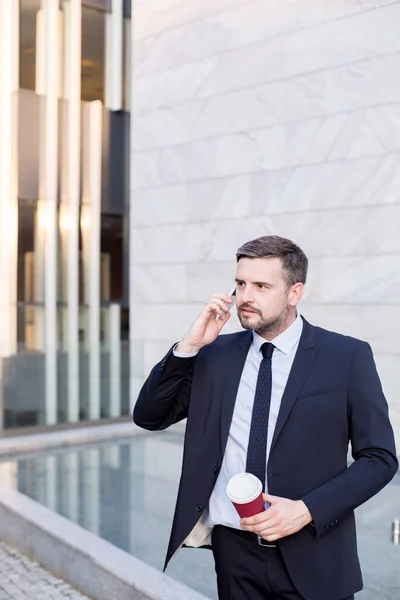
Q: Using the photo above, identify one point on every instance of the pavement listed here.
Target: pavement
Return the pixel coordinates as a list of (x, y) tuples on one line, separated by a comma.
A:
[(21, 578)]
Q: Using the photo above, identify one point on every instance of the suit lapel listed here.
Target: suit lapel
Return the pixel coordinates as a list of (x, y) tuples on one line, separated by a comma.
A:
[(234, 360), (303, 361)]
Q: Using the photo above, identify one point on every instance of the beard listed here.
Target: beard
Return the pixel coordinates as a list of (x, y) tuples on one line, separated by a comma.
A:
[(264, 326)]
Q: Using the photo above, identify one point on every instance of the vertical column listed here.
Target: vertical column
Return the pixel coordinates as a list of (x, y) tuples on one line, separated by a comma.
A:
[(51, 482), (91, 492), (42, 46), (72, 92), (49, 173), (127, 63), (115, 360), (73, 486), (90, 225), (41, 224), (9, 69), (114, 55)]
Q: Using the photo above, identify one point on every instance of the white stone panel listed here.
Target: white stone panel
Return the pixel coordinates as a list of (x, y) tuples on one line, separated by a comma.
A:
[(159, 283), (159, 205), (159, 15), (196, 242), (374, 324), (173, 244), (297, 144), (388, 369), (165, 322), (154, 352), (351, 87), (205, 279), (362, 36), (170, 88), (243, 25), (166, 127), (368, 181), (345, 88), (198, 119), (214, 199), (369, 132), (358, 231), (360, 280), (372, 132)]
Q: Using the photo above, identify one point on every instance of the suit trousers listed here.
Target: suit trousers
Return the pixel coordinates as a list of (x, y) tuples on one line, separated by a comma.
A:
[(247, 571)]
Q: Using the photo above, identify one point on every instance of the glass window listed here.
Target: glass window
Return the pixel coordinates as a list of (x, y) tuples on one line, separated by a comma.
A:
[(27, 43), (93, 54), (112, 268)]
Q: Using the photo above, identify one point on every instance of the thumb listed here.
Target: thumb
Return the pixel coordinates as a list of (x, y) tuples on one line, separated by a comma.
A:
[(271, 499)]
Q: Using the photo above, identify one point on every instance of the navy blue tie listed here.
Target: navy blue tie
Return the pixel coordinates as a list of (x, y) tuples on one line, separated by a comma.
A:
[(257, 449)]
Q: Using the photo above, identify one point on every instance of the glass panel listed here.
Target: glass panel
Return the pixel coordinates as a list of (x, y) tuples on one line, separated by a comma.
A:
[(33, 45), (93, 54), (112, 258), (27, 62)]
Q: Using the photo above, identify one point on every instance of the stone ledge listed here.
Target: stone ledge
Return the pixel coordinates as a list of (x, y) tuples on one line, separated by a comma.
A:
[(11, 446), (89, 563)]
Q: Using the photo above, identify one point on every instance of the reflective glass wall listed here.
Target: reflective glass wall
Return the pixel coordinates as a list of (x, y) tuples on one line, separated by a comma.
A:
[(65, 111)]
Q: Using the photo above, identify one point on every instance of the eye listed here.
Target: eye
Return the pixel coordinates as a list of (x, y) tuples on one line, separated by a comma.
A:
[(240, 284)]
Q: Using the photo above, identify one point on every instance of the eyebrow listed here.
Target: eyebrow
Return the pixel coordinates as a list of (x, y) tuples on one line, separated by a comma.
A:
[(255, 282)]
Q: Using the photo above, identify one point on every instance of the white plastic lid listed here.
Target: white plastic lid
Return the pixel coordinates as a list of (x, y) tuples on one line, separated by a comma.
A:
[(243, 488)]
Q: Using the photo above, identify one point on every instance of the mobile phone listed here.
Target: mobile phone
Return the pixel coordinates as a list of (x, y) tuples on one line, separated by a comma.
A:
[(232, 295)]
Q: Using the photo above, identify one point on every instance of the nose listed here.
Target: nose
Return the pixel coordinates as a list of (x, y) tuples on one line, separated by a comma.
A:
[(247, 296)]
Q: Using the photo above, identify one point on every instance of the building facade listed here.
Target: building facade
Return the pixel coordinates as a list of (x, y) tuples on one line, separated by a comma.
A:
[(254, 118), (64, 210)]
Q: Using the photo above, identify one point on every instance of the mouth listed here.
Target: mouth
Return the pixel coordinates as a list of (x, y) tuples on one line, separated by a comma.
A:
[(247, 312)]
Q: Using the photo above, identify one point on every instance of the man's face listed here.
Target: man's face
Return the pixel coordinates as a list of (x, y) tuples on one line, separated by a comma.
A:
[(262, 295)]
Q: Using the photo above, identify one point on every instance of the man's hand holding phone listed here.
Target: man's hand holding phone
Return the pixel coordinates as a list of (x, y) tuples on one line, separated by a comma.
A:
[(209, 323)]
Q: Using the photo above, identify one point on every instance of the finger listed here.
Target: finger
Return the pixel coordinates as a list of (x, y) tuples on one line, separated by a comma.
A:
[(222, 320), (273, 537), (220, 302), (268, 528), (215, 308), (258, 522), (223, 297), (271, 499), (264, 517), (274, 525)]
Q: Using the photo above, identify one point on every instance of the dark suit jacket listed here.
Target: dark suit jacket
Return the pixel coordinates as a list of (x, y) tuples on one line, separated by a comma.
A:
[(333, 395)]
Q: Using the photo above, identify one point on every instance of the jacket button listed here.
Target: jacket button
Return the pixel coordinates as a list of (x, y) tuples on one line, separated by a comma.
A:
[(199, 507), (215, 470)]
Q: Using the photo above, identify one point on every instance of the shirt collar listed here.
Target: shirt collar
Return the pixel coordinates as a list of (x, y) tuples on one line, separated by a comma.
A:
[(284, 341)]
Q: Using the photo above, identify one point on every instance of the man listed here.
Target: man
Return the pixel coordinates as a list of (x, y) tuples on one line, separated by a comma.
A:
[(281, 400)]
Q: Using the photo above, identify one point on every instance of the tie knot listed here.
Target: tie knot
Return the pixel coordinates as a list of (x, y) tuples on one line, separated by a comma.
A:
[(267, 349)]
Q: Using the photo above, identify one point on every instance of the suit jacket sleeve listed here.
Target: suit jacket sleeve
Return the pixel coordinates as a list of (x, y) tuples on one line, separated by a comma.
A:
[(373, 448), (164, 397)]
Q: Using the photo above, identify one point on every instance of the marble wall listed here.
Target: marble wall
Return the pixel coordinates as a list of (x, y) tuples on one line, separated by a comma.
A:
[(252, 118)]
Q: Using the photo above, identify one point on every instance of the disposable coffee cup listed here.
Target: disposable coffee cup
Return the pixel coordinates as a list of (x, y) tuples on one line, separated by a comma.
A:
[(244, 490)]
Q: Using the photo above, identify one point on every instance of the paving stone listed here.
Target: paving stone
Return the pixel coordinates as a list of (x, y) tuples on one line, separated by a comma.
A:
[(21, 579)]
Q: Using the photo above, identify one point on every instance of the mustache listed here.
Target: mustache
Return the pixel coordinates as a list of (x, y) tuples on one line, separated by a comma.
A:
[(244, 306)]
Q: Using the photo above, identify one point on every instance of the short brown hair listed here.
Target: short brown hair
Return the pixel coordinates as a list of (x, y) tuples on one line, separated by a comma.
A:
[(294, 261)]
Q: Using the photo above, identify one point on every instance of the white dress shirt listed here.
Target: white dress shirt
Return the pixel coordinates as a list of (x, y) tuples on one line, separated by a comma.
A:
[(220, 510)]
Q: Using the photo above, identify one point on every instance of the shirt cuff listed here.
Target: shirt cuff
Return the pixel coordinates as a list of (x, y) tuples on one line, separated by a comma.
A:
[(183, 354)]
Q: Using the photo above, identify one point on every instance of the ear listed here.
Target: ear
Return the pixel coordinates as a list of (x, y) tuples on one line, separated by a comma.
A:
[(296, 293)]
